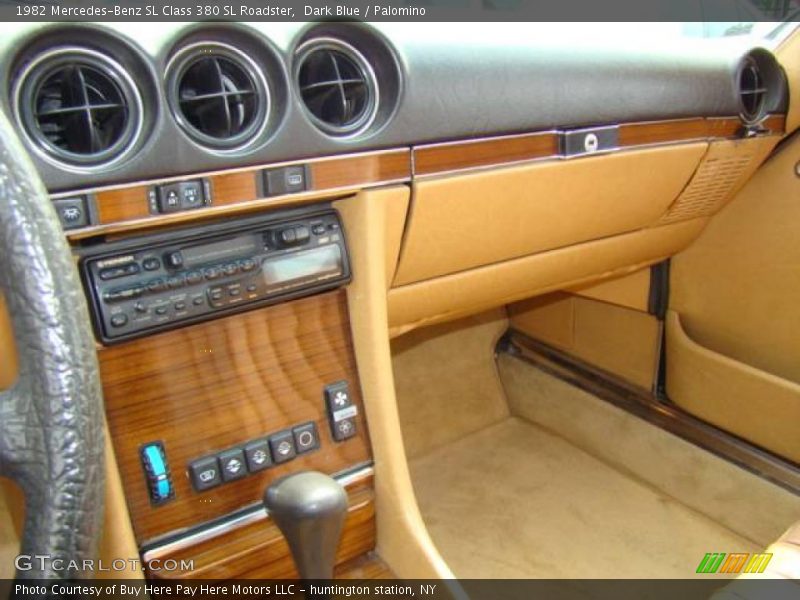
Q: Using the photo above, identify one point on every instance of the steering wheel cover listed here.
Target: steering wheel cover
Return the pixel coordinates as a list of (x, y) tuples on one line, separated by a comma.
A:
[(51, 420)]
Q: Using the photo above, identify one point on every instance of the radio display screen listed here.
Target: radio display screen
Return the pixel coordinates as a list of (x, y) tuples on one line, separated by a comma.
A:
[(319, 262)]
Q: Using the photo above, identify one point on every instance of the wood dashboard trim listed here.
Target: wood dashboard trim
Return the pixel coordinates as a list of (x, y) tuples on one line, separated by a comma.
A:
[(447, 157), (216, 385), (124, 207)]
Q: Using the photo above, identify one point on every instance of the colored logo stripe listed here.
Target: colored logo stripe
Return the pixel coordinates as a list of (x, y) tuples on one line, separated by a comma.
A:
[(757, 563), (711, 562), (734, 563), (752, 563)]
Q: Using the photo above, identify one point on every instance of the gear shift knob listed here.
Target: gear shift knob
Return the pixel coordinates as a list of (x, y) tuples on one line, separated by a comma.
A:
[(309, 509)]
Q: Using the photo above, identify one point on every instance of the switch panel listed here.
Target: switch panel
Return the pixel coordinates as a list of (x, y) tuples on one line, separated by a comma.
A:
[(286, 180), (341, 411), (159, 481), (179, 196), (205, 474)]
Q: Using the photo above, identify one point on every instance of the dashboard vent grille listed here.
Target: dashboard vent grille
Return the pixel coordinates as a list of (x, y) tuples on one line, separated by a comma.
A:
[(752, 92), (218, 97), (78, 107), (337, 87)]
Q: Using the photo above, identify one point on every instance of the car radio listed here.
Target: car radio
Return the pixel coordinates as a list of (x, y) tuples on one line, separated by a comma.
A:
[(160, 282)]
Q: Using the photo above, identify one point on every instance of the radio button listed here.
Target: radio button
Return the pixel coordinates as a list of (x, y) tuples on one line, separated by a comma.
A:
[(301, 234), (180, 306), (212, 273), (151, 263), (252, 288), (115, 272), (318, 229), (176, 282), (231, 269), (161, 310), (140, 307), (215, 296), (126, 294), (287, 236), (156, 285), (248, 264), (119, 320), (198, 300), (174, 259), (194, 277)]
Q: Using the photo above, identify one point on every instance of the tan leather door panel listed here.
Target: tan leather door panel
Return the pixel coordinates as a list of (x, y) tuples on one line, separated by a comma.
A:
[(734, 297)]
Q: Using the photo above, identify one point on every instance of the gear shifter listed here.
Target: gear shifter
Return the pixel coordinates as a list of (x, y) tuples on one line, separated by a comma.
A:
[(309, 509)]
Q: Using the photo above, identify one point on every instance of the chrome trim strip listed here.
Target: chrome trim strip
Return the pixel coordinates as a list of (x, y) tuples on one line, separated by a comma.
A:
[(252, 515)]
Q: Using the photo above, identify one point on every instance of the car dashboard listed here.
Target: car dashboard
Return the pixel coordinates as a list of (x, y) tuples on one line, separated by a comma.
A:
[(256, 209)]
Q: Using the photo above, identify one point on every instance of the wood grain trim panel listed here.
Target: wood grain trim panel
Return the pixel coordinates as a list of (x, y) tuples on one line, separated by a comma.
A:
[(215, 385), (437, 158), (130, 203), (662, 132), (336, 173), (260, 550), (123, 204)]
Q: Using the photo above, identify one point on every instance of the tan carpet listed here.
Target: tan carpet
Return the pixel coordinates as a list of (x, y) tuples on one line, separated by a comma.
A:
[(516, 501), (519, 474), (738, 499)]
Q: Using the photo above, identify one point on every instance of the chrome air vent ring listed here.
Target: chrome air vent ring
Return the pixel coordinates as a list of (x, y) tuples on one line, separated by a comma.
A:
[(337, 86), (217, 95), (78, 108)]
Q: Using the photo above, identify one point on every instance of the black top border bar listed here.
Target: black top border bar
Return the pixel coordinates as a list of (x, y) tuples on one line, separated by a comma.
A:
[(733, 11)]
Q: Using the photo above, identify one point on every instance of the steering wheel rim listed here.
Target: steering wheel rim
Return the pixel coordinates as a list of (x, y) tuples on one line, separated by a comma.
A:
[(51, 420)]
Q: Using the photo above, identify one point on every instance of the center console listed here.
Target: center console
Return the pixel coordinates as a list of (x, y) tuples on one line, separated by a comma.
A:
[(227, 363)]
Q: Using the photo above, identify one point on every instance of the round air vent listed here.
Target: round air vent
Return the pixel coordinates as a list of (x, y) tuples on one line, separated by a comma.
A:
[(337, 86), (78, 107), (752, 91), (217, 95)]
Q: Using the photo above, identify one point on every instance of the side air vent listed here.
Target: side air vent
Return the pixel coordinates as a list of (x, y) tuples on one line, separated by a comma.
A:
[(78, 107), (217, 95), (337, 86), (752, 91)]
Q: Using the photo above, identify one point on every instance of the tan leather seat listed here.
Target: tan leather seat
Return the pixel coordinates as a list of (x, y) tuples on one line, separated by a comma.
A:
[(784, 564)]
